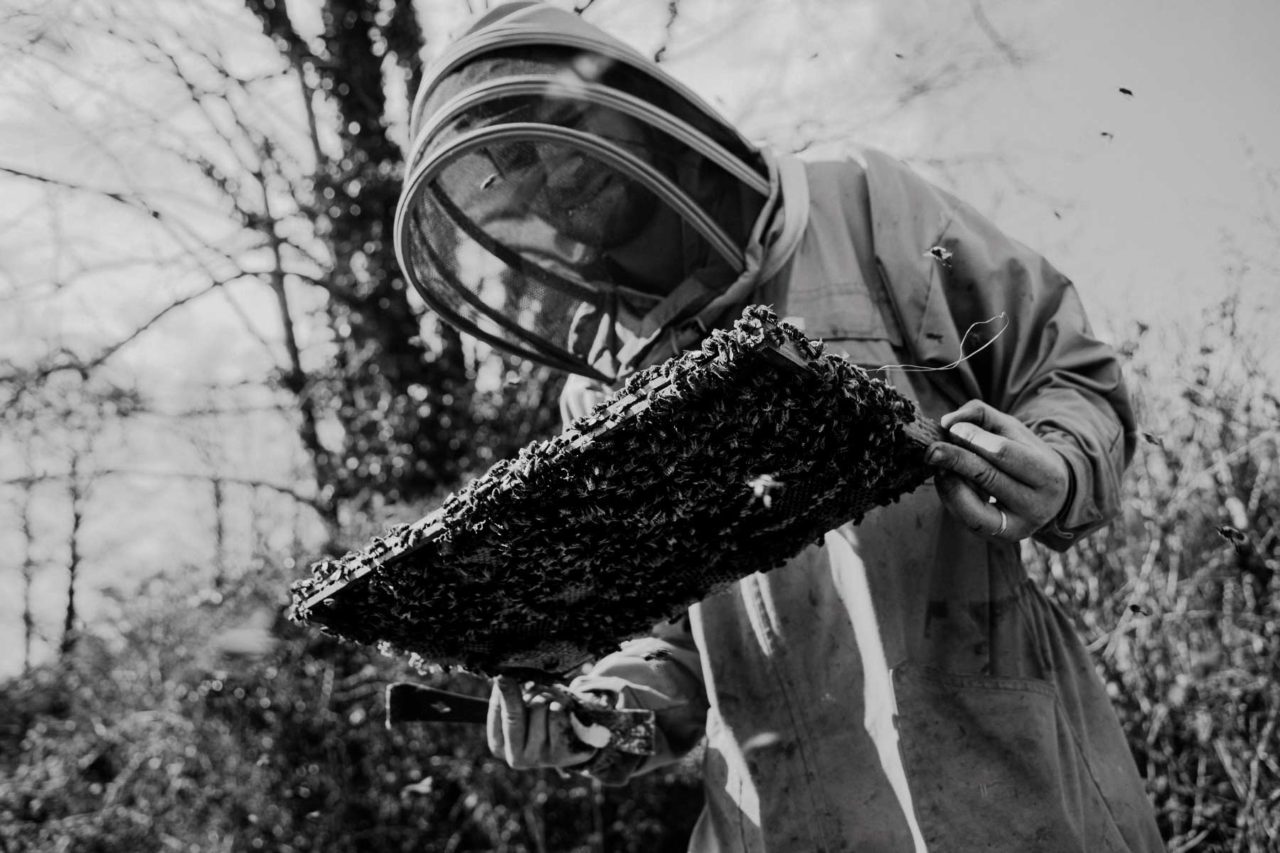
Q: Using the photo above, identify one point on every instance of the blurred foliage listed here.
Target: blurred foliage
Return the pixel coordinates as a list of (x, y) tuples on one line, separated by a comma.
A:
[(157, 744), (1178, 597)]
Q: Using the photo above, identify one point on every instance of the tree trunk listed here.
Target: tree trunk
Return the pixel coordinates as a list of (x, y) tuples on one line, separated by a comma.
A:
[(28, 579), (70, 629), (402, 404)]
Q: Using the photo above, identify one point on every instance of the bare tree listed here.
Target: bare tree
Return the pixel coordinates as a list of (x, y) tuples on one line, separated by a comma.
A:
[(27, 572), (55, 429), (75, 501), (268, 163)]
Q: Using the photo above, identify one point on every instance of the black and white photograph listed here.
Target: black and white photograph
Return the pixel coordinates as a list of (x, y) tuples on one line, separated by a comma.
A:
[(639, 426)]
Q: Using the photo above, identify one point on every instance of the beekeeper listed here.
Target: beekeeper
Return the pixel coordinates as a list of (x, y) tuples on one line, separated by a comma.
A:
[(904, 686)]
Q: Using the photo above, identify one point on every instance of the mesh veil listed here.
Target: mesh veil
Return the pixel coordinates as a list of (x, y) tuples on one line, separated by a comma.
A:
[(564, 197)]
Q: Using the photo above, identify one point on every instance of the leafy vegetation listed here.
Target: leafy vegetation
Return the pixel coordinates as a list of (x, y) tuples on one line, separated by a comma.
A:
[(1177, 598), (143, 749)]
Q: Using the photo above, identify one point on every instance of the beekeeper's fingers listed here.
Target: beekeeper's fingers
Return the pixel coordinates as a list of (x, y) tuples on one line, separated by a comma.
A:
[(1007, 443), (532, 729), (507, 719)]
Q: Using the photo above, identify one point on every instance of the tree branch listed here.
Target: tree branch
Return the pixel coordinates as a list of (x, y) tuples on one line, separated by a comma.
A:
[(311, 501), (83, 366), (984, 24)]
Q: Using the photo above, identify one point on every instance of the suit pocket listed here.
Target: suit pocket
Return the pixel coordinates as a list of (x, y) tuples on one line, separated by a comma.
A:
[(837, 310), (993, 765)]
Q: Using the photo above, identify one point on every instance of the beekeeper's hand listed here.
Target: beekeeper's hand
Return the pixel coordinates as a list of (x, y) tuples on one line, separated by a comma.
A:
[(531, 728), (999, 478)]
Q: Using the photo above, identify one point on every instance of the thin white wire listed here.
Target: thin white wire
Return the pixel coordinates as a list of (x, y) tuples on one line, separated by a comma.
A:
[(913, 368)]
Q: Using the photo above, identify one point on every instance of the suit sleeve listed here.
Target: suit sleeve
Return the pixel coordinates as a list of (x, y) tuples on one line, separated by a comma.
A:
[(1046, 367), (662, 673)]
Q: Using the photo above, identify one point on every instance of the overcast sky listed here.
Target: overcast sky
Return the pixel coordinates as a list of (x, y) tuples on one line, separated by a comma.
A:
[(1144, 199)]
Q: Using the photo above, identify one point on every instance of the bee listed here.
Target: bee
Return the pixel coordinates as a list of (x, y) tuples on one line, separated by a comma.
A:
[(763, 487), (942, 255)]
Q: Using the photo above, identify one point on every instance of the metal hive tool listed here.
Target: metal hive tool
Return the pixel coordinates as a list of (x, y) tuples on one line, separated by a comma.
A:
[(718, 463)]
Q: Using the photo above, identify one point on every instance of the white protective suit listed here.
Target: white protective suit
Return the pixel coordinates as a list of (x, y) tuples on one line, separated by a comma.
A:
[(904, 686)]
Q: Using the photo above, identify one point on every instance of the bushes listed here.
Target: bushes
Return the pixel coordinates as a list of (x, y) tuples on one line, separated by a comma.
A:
[(286, 753), (1178, 599)]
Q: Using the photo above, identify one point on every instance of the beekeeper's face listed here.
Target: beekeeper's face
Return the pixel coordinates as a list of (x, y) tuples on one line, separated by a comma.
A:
[(548, 183), (581, 197)]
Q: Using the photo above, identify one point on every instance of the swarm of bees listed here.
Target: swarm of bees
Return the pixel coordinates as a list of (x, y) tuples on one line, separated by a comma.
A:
[(718, 463)]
